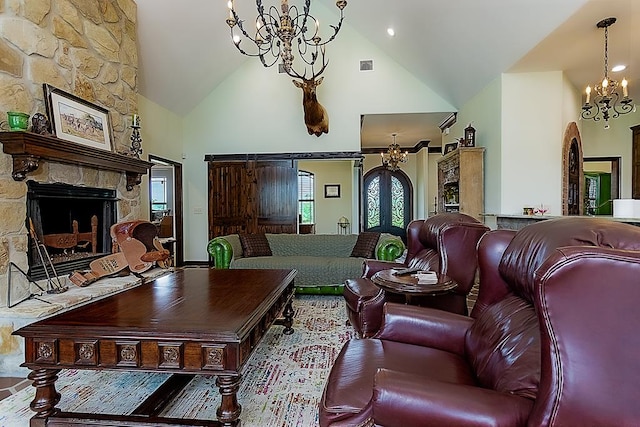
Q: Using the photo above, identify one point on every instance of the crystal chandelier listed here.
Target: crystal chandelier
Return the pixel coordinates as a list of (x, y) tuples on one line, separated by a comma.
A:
[(279, 31), (393, 156), (606, 101)]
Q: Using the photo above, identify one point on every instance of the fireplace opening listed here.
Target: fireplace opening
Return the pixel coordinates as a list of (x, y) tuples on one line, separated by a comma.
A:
[(73, 224)]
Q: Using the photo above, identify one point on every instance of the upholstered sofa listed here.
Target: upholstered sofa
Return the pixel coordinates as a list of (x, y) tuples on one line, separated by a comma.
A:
[(323, 261), (445, 243), (553, 342)]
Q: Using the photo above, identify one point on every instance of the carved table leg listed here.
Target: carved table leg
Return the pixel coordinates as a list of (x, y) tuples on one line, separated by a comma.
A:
[(229, 410), (46, 399), (288, 318)]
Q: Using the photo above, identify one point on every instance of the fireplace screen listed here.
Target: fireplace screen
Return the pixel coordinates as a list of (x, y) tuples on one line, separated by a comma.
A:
[(72, 222)]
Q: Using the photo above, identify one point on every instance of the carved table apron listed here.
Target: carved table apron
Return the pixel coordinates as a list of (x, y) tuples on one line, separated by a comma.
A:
[(194, 321)]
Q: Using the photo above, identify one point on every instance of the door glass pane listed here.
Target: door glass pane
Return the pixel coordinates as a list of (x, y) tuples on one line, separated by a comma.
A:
[(373, 203), (397, 203)]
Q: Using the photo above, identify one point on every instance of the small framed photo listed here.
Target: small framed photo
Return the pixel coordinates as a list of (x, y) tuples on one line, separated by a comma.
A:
[(76, 120), (450, 147), (331, 191)]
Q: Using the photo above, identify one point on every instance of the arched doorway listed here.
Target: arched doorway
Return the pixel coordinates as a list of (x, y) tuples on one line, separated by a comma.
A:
[(388, 201), (572, 172)]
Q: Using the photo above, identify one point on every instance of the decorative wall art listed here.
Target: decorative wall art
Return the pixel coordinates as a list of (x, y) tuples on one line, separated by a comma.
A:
[(331, 191), (76, 120), (450, 147)]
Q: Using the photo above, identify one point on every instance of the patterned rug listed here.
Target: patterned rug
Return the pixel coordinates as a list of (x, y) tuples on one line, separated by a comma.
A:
[(282, 381)]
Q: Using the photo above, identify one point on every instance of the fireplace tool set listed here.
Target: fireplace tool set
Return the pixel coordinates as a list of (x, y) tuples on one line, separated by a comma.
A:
[(53, 280), (55, 286)]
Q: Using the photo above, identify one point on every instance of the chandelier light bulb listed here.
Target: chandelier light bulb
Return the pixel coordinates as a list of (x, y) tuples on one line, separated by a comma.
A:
[(625, 91)]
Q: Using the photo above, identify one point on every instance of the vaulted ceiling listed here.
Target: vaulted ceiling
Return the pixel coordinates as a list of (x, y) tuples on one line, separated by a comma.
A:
[(454, 47)]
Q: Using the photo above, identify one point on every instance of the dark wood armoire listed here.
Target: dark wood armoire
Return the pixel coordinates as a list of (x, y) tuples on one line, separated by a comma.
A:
[(253, 197)]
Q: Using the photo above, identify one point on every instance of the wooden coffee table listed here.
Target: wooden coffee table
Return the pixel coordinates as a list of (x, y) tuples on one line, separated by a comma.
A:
[(408, 285), (194, 321)]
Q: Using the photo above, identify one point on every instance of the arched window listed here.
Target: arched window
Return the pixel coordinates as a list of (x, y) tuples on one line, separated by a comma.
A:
[(388, 201), (306, 197)]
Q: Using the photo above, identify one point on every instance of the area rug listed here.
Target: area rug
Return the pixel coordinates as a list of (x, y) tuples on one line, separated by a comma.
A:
[(281, 386)]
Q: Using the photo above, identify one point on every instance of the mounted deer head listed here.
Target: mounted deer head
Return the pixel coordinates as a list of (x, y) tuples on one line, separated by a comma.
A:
[(315, 116)]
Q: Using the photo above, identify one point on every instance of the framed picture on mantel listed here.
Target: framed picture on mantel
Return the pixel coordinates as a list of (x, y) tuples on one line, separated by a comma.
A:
[(76, 120)]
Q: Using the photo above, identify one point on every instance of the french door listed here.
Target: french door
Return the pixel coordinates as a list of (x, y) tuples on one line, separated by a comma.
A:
[(387, 201)]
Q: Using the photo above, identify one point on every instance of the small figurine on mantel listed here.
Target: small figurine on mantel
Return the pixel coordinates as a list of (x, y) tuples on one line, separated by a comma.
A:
[(40, 124)]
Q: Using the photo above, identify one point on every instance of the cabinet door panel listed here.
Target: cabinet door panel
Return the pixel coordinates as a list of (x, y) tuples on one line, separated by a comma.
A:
[(277, 193), (231, 198)]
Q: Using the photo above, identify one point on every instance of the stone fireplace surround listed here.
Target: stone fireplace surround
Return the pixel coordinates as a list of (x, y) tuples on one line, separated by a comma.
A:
[(86, 48)]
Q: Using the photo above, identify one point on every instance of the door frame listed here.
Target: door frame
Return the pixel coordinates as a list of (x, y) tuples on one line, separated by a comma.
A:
[(615, 172), (363, 192), (178, 215)]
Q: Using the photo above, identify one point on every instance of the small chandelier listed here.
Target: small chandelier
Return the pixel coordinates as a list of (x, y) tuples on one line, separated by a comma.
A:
[(276, 32), (393, 156), (607, 100)]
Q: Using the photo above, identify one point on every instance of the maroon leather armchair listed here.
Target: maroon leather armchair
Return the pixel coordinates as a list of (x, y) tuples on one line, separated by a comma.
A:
[(554, 340), (445, 243)]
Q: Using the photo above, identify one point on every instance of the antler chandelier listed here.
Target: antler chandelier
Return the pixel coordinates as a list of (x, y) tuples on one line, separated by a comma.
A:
[(277, 31), (393, 156), (607, 100)]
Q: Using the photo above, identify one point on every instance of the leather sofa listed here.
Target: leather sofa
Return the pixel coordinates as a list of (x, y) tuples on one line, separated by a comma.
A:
[(445, 243), (554, 340)]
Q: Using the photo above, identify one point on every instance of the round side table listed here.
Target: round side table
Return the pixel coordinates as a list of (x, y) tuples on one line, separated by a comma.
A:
[(408, 285)]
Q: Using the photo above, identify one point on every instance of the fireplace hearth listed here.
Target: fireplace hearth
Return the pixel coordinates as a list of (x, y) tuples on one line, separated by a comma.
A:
[(72, 222)]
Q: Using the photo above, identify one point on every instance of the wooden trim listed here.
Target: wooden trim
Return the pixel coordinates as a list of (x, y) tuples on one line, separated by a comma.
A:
[(28, 149), (283, 156), (419, 146)]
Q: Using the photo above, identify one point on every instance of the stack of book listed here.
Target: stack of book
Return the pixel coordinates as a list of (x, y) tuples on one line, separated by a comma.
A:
[(427, 277)]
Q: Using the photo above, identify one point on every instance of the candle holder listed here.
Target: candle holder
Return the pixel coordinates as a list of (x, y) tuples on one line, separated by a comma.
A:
[(136, 140)]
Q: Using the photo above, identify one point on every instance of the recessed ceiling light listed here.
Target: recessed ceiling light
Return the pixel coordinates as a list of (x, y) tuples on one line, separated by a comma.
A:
[(618, 68), (391, 31)]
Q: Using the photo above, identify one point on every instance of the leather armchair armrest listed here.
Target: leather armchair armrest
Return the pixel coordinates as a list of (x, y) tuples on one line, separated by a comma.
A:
[(389, 249), (428, 327), (372, 266), (221, 251), (401, 399)]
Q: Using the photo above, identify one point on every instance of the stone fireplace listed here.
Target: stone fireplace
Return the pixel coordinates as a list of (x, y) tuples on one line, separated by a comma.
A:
[(88, 49)]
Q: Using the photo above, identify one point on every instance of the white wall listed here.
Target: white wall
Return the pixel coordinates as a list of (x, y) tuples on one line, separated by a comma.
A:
[(532, 131), (329, 210), (484, 112), (161, 133)]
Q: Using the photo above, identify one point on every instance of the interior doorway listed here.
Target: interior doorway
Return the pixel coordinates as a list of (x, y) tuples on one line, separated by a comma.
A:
[(607, 166), (166, 202)]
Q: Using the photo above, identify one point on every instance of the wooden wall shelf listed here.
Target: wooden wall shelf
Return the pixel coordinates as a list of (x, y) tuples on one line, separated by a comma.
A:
[(28, 149)]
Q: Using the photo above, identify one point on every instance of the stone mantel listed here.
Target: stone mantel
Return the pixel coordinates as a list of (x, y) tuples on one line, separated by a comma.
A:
[(28, 149)]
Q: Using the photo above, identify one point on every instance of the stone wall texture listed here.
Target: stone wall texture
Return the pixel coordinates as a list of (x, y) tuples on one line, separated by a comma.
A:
[(84, 47)]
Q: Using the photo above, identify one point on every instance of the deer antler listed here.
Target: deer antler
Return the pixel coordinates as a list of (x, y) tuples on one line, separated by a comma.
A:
[(314, 75)]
